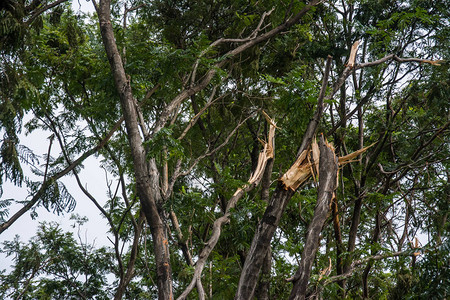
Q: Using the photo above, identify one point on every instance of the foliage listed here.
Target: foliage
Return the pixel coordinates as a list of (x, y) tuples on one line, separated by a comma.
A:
[(54, 265), (56, 81)]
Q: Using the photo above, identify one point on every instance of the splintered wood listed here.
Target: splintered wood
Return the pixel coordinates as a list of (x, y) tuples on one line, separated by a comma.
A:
[(348, 158), (298, 173), (265, 154), (307, 164), (352, 58)]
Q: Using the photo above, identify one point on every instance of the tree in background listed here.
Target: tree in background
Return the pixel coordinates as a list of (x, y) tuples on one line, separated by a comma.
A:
[(183, 101)]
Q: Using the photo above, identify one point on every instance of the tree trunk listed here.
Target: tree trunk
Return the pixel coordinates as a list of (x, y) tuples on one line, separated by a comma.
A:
[(261, 241), (146, 173), (338, 240), (277, 204), (328, 167), (262, 292)]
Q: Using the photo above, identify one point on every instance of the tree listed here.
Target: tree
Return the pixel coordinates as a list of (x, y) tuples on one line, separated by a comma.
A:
[(191, 89), (65, 267)]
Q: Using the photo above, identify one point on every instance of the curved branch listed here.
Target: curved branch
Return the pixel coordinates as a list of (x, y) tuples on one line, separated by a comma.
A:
[(198, 159), (42, 10), (230, 54), (255, 179), (58, 175)]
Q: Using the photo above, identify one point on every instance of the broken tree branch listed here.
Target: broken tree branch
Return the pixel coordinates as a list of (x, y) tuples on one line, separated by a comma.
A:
[(255, 178), (328, 169)]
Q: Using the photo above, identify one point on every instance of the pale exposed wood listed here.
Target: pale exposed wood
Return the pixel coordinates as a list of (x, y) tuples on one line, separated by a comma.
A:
[(328, 168), (343, 160), (276, 206), (298, 173), (255, 179), (326, 271), (353, 51), (315, 155)]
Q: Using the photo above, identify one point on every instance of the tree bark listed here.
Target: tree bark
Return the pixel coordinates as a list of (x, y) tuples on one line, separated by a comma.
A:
[(338, 239), (262, 292), (328, 167), (261, 241), (375, 238), (146, 173), (277, 204), (265, 155)]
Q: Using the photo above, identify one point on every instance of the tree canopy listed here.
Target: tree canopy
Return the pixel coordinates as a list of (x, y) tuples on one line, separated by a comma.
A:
[(254, 149)]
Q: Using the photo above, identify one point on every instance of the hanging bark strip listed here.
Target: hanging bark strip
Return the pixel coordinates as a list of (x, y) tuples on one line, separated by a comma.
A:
[(264, 156), (352, 58), (328, 169)]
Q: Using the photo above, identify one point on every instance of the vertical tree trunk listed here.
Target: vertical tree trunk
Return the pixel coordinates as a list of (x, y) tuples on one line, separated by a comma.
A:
[(146, 173), (261, 242), (328, 167), (262, 292), (338, 240), (275, 208)]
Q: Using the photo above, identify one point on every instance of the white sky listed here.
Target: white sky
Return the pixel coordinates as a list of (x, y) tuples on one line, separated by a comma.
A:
[(83, 5), (92, 176)]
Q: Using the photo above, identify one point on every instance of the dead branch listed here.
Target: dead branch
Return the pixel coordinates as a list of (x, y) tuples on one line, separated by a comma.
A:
[(253, 35), (398, 59)]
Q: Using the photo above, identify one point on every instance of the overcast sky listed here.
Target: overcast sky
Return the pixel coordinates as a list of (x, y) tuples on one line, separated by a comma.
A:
[(92, 176)]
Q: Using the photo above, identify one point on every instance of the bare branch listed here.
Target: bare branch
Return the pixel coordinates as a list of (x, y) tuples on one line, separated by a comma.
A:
[(197, 116), (312, 126), (230, 54)]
